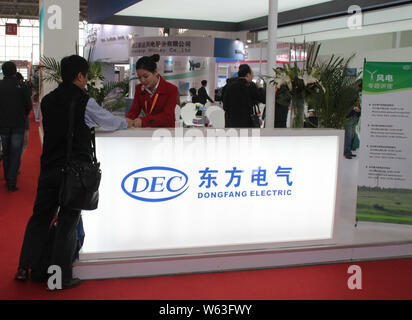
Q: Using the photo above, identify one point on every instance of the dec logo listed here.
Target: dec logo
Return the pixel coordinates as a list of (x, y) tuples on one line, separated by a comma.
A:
[(155, 184)]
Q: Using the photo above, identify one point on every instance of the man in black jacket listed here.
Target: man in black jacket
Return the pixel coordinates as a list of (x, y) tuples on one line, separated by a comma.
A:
[(38, 252), (202, 93), (15, 105), (35, 253), (239, 96)]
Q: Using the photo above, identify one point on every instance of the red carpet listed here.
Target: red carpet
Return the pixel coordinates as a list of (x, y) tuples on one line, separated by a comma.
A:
[(380, 279)]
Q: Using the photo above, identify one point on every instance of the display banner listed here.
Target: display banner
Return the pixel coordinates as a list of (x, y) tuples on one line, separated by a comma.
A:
[(173, 46), (207, 193), (385, 162)]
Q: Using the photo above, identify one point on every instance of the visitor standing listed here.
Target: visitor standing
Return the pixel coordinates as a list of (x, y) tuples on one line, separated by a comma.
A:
[(87, 114), (240, 95), (202, 93), (15, 105)]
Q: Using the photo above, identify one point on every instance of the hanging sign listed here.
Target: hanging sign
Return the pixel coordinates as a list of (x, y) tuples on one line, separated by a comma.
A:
[(172, 46), (11, 29)]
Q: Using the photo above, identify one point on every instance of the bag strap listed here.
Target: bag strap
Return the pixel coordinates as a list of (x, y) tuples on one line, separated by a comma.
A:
[(70, 131), (70, 135), (250, 101), (93, 145)]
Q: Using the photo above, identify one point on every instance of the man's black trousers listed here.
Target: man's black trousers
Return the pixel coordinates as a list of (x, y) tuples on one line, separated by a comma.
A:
[(39, 249)]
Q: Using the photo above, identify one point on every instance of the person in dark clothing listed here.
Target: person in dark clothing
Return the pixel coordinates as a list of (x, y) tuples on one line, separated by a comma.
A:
[(35, 255), (311, 121), (20, 78), (55, 110), (195, 97), (239, 96), (15, 105), (350, 130), (202, 93), (282, 102)]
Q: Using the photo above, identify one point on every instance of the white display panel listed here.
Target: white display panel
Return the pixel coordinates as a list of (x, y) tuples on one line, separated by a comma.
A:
[(294, 203)]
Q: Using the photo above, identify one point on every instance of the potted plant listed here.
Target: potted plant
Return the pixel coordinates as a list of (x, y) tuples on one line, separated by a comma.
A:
[(96, 88), (333, 104), (298, 83)]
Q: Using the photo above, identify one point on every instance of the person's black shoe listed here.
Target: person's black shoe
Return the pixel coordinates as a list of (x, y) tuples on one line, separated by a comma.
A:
[(22, 274), (74, 282), (348, 156), (12, 188), (37, 276)]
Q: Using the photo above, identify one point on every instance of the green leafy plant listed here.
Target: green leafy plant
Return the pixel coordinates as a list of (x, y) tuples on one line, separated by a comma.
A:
[(325, 87), (51, 69), (333, 104), (96, 88), (297, 84)]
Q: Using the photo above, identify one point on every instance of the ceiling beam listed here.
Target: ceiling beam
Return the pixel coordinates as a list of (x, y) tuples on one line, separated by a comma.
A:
[(20, 16), (19, 4)]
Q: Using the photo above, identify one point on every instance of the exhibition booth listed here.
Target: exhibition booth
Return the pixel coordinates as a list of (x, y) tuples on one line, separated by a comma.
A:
[(189, 200)]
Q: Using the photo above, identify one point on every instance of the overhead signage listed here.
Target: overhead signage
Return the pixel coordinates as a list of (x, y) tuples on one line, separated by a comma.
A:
[(172, 46), (11, 29)]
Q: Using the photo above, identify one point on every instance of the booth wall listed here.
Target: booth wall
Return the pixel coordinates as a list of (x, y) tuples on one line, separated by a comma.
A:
[(357, 44), (388, 55), (380, 47)]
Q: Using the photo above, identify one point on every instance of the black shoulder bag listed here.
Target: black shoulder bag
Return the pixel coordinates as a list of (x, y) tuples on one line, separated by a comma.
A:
[(81, 180), (254, 117)]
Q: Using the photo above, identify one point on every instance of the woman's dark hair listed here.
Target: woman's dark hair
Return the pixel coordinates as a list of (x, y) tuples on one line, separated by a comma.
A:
[(148, 63), (71, 66), (192, 91), (9, 69), (244, 69)]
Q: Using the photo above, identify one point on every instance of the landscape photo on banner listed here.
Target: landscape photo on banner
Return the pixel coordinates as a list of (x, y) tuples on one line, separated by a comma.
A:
[(385, 171)]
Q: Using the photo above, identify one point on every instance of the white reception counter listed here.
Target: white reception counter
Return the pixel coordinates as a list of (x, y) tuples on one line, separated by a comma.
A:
[(201, 192)]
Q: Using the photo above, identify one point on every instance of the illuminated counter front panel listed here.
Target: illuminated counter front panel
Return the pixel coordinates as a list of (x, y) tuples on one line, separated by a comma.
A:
[(194, 192)]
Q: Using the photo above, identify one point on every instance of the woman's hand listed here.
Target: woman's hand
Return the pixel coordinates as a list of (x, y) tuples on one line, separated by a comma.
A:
[(130, 123), (138, 123)]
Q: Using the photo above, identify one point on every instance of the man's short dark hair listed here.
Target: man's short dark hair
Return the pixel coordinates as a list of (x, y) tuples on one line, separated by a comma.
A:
[(9, 69), (204, 82), (244, 69), (71, 66)]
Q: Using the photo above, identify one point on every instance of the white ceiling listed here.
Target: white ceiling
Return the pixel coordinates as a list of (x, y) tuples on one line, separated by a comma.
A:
[(375, 22), (211, 10)]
